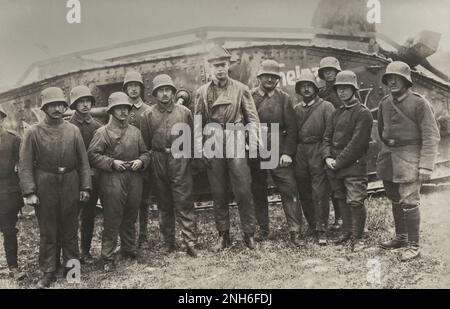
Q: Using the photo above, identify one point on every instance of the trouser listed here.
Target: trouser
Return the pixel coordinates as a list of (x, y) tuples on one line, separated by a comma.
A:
[(10, 204), (313, 185), (351, 192), (284, 180), (120, 194), (87, 218), (405, 199), (57, 216), (173, 180), (237, 172), (143, 208)]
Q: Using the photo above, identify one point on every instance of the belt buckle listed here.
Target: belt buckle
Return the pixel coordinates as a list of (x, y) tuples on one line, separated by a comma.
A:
[(391, 142), (61, 170)]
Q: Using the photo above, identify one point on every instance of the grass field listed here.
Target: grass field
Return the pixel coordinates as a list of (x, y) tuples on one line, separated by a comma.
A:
[(275, 264)]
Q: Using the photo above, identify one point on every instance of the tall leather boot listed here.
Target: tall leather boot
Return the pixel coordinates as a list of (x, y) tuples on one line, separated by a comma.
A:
[(401, 232), (358, 214), (347, 222), (223, 241), (412, 217)]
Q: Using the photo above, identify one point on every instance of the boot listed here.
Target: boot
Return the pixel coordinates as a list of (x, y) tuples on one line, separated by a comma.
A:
[(16, 274), (322, 238), (263, 234), (86, 258), (168, 248), (358, 220), (358, 245), (109, 266), (343, 238), (296, 240), (142, 240), (412, 218), (401, 232), (46, 280), (190, 250), (223, 241), (249, 242), (411, 252)]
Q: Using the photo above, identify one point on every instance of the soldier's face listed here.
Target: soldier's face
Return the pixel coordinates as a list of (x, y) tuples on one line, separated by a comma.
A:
[(121, 112), (345, 92), (133, 90), (164, 94), (55, 110), (84, 105), (396, 84), (269, 81), (219, 69), (307, 90), (329, 74)]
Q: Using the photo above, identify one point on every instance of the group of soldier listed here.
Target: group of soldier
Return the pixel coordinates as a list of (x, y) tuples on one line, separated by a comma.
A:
[(63, 167)]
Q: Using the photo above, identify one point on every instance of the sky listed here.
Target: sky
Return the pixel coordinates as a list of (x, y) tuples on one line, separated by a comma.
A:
[(33, 30)]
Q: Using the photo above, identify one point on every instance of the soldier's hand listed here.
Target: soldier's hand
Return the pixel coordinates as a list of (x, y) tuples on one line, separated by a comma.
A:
[(84, 196), (424, 174), (136, 165), (331, 163), (32, 200), (285, 160), (119, 165)]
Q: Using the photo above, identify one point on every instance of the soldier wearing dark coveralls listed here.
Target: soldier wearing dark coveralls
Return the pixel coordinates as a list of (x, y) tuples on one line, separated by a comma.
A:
[(54, 176), (133, 86), (275, 106), (119, 153), (172, 176), (221, 101), (312, 115), (10, 196), (329, 67), (81, 100), (410, 138), (346, 142)]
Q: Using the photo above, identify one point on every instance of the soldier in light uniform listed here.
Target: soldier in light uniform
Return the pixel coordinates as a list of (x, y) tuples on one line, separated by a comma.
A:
[(81, 100), (54, 176), (118, 151), (346, 142), (329, 67), (224, 100), (311, 115), (10, 197), (410, 138), (133, 86), (275, 106), (172, 176)]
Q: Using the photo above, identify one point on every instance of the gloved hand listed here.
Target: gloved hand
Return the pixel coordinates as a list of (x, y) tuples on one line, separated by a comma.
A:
[(331, 163), (32, 200), (84, 196), (285, 160)]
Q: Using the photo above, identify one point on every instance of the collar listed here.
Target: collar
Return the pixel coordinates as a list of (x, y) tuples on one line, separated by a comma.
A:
[(80, 118), (165, 107), (52, 122), (402, 97), (316, 99), (353, 103), (113, 123), (137, 104), (262, 92), (216, 83)]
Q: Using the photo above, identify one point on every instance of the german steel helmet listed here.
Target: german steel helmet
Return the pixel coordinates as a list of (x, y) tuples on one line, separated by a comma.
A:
[(51, 95), (346, 78), (79, 92), (218, 53), (2, 112), (270, 67), (118, 98), (163, 80), (304, 78), (398, 68), (328, 62), (132, 76)]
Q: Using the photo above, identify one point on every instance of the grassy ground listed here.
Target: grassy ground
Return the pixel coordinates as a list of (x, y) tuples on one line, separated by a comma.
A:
[(274, 265)]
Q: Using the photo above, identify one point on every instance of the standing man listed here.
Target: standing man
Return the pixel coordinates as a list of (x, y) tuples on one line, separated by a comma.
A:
[(133, 86), (329, 67), (275, 106), (224, 100), (312, 115), (10, 197), (410, 137), (55, 176), (346, 142), (171, 175), (118, 151), (81, 100)]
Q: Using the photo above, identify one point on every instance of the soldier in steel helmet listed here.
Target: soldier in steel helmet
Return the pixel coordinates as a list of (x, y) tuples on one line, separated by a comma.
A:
[(275, 106), (410, 138), (54, 176), (172, 174), (346, 142), (312, 114), (118, 151)]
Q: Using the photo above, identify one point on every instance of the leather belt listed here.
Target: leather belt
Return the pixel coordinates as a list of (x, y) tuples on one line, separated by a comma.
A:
[(60, 170), (396, 143)]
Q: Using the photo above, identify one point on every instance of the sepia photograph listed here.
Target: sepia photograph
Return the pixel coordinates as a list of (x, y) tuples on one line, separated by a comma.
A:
[(241, 145)]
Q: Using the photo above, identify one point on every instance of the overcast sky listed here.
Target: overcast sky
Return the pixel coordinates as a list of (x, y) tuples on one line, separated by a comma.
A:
[(33, 30)]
